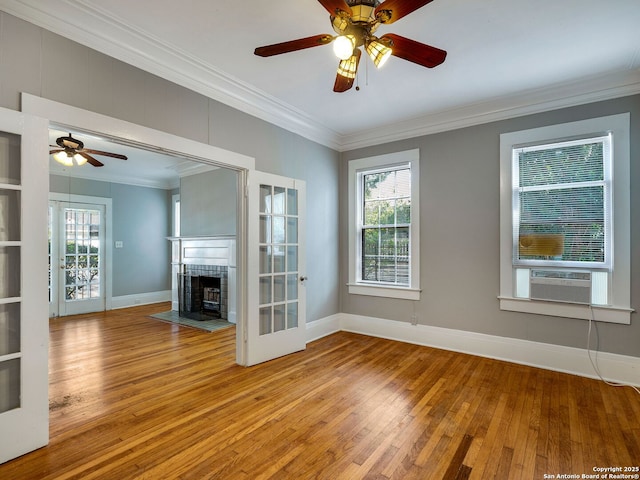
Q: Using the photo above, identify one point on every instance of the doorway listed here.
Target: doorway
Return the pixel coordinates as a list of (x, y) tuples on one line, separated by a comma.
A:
[(78, 257)]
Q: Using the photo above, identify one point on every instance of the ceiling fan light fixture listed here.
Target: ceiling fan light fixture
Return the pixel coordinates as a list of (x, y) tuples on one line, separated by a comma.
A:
[(343, 46), (63, 158), (80, 160), (378, 53), (348, 68)]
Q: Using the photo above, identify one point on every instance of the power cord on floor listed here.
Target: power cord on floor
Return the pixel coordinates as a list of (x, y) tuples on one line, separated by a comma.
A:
[(594, 364)]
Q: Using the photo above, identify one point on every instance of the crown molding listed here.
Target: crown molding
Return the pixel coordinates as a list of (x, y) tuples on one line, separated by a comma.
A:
[(595, 89), (126, 43), (114, 37)]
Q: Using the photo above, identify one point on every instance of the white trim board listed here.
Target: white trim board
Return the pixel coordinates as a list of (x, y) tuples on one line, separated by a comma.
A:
[(137, 299), (613, 367)]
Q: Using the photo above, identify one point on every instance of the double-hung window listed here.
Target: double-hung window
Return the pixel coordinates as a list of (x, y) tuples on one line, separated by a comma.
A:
[(564, 222), (384, 225)]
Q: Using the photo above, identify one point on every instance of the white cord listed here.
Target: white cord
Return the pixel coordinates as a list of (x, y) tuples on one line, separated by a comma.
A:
[(595, 364)]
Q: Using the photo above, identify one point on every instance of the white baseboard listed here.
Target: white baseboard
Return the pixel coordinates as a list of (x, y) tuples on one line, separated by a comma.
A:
[(613, 367), (323, 327), (125, 301)]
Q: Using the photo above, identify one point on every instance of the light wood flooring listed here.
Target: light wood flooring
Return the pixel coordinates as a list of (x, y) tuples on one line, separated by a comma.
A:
[(136, 398)]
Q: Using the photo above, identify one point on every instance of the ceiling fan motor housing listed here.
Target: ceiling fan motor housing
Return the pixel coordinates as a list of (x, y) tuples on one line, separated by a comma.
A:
[(361, 24)]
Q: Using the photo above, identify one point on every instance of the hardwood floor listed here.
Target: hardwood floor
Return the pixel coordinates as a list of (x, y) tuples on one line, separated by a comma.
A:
[(132, 397)]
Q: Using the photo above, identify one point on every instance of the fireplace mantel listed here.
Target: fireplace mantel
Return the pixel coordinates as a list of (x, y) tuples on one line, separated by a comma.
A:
[(219, 250), (208, 251)]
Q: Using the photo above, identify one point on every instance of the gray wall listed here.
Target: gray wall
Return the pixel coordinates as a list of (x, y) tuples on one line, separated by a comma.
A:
[(142, 221), (208, 203), (460, 226), (30, 61)]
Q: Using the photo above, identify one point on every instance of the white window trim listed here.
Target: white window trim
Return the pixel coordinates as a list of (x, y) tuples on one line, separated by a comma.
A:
[(619, 310), (365, 288)]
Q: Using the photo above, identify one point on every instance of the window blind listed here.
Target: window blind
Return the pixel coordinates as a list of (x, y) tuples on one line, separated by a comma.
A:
[(562, 208)]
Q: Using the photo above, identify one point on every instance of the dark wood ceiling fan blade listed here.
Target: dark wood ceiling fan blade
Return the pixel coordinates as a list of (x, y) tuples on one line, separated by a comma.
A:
[(90, 159), (390, 11), (106, 154), (413, 51), (344, 83), (51, 152), (293, 45), (335, 6)]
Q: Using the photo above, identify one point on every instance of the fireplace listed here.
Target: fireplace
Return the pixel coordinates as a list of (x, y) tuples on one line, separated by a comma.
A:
[(200, 296), (204, 276)]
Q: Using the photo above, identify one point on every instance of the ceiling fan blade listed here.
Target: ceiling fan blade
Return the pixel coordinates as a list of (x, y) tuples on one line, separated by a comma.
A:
[(106, 154), (350, 67), (391, 10), (293, 45), (334, 7), (51, 152), (413, 51), (90, 159)]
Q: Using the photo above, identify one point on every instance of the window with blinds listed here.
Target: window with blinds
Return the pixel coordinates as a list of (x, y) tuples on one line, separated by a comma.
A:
[(562, 206), (386, 223)]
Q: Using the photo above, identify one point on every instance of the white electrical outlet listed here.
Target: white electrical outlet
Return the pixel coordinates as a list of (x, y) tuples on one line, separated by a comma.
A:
[(119, 244)]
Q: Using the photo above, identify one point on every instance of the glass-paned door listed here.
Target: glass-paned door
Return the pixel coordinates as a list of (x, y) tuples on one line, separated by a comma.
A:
[(276, 267), (24, 420), (77, 236)]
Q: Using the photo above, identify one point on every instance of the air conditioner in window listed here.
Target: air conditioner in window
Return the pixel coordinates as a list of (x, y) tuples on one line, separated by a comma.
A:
[(570, 286)]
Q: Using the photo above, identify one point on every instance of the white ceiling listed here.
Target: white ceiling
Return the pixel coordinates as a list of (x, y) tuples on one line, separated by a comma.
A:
[(143, 168), (505, 58)]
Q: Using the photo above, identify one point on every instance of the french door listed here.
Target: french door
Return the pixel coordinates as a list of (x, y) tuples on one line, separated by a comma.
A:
[(76, 258), (276, 293), (24, 332)]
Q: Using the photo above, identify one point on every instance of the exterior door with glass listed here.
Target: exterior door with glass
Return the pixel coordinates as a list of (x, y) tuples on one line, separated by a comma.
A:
[(76, 247), (24, 332), (276, 295)]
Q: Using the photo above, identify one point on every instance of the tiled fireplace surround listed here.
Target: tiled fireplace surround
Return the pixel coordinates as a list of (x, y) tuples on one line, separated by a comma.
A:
[(216, 271), (209, 257)]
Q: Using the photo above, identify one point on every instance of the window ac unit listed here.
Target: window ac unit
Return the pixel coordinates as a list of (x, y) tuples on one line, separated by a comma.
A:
[(570, 286)]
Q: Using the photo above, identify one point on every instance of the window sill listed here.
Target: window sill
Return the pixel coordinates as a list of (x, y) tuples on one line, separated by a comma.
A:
[(403, 293), (599, 313)]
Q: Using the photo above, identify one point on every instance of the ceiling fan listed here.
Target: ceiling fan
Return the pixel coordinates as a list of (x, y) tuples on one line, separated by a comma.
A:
[(71, 149), (355, 22)]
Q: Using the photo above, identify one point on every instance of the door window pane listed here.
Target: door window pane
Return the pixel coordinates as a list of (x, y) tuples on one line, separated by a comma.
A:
[(265, 290), (279, 318), (279, 288), (292, 258), (9, 215), (265, 259), (9, 385), (292, 315), (292, 201), (9, 272), (10, 158), (292, 287), (9, 328), (265, 320)]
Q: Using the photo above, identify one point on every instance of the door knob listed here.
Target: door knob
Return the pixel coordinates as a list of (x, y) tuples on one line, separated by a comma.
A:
[(302, 279)]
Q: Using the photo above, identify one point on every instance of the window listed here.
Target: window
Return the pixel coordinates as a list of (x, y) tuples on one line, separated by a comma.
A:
[(562, 241), (561, 194), (175, 215), (384, 226)]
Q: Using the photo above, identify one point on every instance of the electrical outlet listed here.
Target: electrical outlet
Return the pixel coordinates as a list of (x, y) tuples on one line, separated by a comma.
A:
[(119, 244)]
